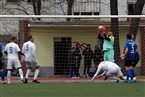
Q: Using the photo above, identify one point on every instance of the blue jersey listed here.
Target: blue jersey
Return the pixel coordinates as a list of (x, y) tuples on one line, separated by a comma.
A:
[(1, 48), (131, 54)]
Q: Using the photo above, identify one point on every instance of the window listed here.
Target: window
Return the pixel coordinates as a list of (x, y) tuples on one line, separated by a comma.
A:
[(131, 1), (86, 13), (14, 0), (86, 7), (29, 0)]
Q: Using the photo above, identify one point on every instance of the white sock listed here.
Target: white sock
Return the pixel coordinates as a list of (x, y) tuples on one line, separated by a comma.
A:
[(27, 73), (36, 74), (21, 73), (8, 76)]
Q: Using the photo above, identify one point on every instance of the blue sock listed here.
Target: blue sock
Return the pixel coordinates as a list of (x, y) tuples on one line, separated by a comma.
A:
[(2, 75), (132, 72), (129, 75)]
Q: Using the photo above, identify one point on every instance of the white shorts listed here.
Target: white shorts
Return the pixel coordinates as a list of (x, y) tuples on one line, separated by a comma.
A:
[(31, 64), (114, 72), (13, 62)]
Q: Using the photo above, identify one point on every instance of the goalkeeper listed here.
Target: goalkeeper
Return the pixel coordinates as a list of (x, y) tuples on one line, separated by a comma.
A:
[(108, 44)]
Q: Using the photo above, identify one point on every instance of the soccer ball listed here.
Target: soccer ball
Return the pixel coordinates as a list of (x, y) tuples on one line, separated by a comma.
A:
[(102, 28)]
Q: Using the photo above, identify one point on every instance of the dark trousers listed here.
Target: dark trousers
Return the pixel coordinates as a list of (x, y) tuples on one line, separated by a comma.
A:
[(87, 68), (77, 69), (73, 70)]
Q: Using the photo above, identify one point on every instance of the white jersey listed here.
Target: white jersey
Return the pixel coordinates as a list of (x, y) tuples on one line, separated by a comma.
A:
[(29, 51), (107, 65), (108, 68), (12, 50)]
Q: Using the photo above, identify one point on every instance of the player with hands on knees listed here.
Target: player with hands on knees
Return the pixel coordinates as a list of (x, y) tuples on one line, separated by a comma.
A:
[(108, 70)]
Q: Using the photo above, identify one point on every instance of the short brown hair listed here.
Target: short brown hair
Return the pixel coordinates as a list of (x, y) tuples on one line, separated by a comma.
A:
[(13, 37), (30, 37)]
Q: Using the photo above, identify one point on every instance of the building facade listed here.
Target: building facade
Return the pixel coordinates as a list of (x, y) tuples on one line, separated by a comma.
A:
[(54, 34)]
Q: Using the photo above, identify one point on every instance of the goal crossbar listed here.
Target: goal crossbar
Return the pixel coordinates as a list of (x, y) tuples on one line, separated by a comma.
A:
[(72, 16)]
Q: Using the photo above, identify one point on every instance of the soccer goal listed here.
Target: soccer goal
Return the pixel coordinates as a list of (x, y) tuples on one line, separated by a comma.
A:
[(56, 36)]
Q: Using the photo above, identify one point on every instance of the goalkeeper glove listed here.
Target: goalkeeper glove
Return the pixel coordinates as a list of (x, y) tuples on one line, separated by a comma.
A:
[(104, 32), (99, 31)]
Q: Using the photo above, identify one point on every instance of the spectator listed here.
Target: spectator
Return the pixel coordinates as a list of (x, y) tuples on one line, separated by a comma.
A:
[(131, 57), (107, 45), (78, 59), (72, 62), (88, 56), (97, 56)]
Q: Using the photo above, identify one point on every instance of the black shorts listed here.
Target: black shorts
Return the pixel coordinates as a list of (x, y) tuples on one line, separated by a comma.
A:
[(131, 62), (1, 65)]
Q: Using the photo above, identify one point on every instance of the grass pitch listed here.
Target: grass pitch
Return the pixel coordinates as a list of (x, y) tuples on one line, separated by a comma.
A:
[(108, 89)]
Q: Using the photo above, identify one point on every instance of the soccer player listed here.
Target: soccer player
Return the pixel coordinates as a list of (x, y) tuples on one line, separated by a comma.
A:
[(131, 57), (108, 69), (107, 45), (1, 65), (30, 59), (78, 59), (12, 50), (72, 61)]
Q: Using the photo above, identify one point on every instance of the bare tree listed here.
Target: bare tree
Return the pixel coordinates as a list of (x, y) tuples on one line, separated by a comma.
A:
[(69, 8), (135, 21), (36, 7), (115, 28)]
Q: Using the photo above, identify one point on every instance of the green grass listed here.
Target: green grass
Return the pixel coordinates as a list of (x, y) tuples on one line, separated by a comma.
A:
[(73, 90)]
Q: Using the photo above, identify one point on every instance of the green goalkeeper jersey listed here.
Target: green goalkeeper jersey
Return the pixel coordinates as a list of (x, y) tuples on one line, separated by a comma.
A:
[(108, 45)]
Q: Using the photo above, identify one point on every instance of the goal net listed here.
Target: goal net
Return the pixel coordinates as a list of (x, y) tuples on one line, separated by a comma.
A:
[(56, 36)]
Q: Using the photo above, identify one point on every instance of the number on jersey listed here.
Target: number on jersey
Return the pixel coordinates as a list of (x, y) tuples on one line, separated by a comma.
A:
[(11, 50), (27, 47)]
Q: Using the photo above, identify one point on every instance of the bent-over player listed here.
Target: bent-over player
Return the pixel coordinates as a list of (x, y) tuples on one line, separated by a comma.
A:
[(108, 69)]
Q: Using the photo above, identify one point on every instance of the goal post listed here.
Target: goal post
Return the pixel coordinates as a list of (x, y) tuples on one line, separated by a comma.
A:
[(72, 16), (54, 37)]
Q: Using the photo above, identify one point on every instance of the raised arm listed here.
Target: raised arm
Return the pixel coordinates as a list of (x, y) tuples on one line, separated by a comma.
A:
[(97, 73), (100, 37), (106, 38)]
